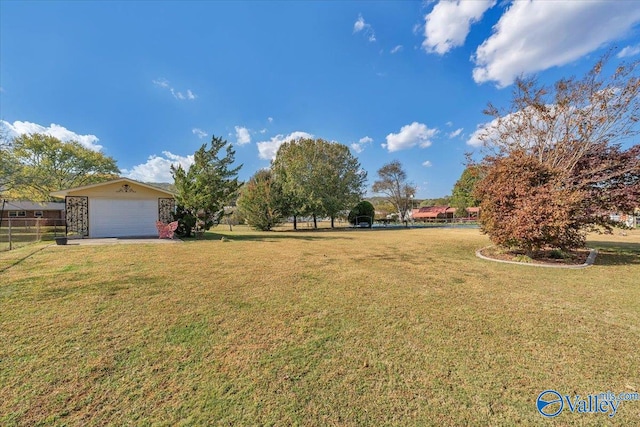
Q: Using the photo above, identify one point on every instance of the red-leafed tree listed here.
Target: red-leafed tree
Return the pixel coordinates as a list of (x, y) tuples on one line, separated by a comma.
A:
[(525, 205), (555, 165)]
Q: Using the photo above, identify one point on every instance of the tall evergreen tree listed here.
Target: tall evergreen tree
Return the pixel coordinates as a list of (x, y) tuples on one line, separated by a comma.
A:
[(208, 185)]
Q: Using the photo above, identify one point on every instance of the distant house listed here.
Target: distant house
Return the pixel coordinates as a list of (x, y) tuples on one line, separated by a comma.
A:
[(433, 213), (473, 212), (46, 213), (628, 220), (118, 208)]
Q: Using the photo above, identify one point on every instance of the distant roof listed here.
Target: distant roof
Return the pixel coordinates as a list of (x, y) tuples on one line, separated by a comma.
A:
[(32, 206), (432, 211)]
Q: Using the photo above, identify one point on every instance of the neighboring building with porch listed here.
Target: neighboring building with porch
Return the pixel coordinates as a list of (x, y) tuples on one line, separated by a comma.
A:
[(473, 213), (442, 213), (46, 213), (433, 213)]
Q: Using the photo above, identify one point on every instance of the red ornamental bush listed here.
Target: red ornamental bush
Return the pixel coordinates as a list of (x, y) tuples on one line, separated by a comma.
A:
[(527, 205)]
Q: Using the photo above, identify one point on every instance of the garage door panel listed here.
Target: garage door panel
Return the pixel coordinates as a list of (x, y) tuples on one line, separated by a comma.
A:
[(121, 218)]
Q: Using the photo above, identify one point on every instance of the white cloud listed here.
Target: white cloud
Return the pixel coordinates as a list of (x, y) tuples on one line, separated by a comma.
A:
[(359, 25), (626, 52), (538, 128), (449, 124), (447, 26), (359, 146), (57, 131), (410, 136), (367, 29), (164, 84), (427, 164), (396, 49), (199, 132), (455, 133), (267, 149), (263, 131), (242, 135), (489, 131), (536, 35), (270, 119), (158, 168)]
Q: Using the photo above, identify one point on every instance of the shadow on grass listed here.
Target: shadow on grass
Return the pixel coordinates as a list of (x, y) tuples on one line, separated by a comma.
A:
[(19, 260), (616, 253), (269, 236)]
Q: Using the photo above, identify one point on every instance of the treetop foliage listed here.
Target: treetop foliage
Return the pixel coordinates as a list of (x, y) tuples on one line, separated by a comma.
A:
[(558, 124), (34, 165)]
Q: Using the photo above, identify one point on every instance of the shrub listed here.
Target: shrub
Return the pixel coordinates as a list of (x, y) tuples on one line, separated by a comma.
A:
[(558, 254), (522, 258), (362, 212), (186, 222), (260, 201), (526, 205)]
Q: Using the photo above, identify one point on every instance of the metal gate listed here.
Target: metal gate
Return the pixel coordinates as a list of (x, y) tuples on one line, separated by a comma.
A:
[(166, 209), (77, 215)]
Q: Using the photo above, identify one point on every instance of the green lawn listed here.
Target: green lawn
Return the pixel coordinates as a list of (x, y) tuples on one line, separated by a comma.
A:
[(347, 328)]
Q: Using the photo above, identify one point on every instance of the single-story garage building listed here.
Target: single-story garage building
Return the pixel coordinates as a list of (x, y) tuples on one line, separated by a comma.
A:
[(118, 208)]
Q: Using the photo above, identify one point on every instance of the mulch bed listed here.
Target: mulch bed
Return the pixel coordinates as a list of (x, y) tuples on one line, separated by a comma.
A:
[(575, 257)]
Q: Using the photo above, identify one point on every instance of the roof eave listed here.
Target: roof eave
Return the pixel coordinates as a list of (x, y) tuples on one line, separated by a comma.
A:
[(64, 193)]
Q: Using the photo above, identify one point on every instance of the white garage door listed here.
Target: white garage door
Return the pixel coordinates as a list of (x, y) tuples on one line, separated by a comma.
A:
[(122, 218)]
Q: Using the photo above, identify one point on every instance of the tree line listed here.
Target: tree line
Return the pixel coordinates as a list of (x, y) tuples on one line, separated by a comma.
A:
[(553, 169)]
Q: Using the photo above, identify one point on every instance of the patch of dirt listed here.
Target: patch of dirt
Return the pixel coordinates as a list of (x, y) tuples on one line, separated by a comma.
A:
[(547, 256)]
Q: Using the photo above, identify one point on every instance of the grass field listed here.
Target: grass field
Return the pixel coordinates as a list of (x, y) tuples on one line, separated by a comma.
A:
[(345, 328)]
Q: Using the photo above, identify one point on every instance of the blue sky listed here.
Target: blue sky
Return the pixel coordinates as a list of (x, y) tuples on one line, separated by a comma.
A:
[(149, 82)]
